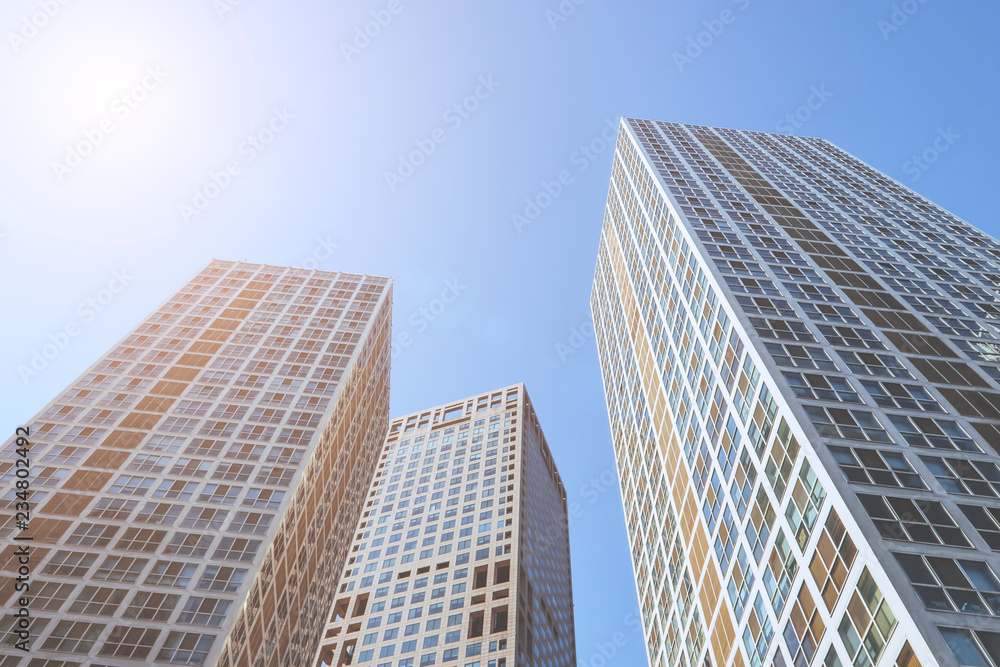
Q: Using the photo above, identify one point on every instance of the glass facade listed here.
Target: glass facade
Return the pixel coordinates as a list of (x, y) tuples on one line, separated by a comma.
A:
[(461, 555), (195, 490), (800, 360)]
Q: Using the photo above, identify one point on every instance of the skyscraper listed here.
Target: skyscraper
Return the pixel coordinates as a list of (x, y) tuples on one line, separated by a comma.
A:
[(193, 493), (462, 552), (800, 359)]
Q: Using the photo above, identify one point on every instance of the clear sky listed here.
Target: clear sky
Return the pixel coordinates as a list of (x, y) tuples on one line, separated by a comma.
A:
[(126, 147)]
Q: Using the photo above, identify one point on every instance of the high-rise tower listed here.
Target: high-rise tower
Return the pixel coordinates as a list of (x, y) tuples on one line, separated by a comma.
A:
[(193, 494), (800, 359), (462, 552)]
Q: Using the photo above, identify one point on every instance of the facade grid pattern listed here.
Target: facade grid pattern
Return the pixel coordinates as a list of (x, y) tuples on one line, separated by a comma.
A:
[(461, 555), (195, 489), (786, 337)]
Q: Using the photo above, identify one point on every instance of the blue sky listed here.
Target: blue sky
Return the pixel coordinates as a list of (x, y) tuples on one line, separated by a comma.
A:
[(168, 95)]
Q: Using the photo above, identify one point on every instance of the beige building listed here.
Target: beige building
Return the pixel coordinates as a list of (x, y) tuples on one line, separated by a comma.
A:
[(461, 555), (195, 491)]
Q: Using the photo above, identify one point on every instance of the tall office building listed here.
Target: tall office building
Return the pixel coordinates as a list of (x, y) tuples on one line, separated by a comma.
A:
[(194, 492), (462, 553), (800, 358)]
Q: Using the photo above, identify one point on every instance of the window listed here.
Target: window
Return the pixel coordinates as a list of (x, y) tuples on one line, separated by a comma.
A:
[(185, 648), (205, 518), (933, 433), (740, 583), (65, 454), (851, 337), (986, 521), (202, 447), (804, 629), (725, 542), (275, 476), (97, 601), (264, 498), (209, 612), (163, 443), (972, 646), (779, 573), (240, 549), (906, 657), (808, 292), (125, 569), (955, 326), (807, 499), (224, 579), (758, 529), (149, 606), (932, 306), (159, 513), (870, 363), (825, 312), (170, 573), (177, 490), (133, 485), (149, 463), (73, 637), (965, 476), (141, 539), (832, 560), (876, 467), (784, 454), (902, 396), (758, 633), (92, 535), (846, 424), (129, 643), (821, 387), (800, 356), (782, 329), (84, 435), (219, 493), (913, 520), (759, 305), (251, 522), (285, 455), (188, 544), (867, 624), (69, 564), (947, 584), (971, 403), (49, 595), (191, 467)]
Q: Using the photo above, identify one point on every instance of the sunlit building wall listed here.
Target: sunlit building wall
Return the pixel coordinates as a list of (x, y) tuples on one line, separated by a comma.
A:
[(800, 360), (195, 491)]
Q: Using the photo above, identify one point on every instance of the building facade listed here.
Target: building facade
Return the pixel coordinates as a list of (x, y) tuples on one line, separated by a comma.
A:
[(800, 360), (193, 493), (462, 552)]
